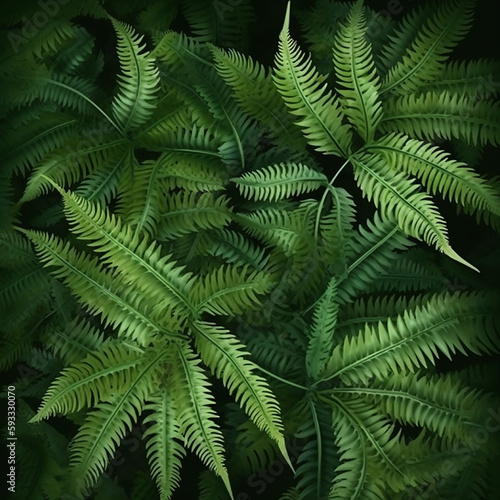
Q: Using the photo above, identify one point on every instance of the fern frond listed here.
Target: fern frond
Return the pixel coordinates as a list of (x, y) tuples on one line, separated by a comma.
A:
[(70, 164), (444, 115), (225, 356), (234, 248), (104, 428), (400, 38), (140, 193), (472, 78), (229, 290), (438, 403), (318, 459), (437, 172), (164, 451), (307, 97), (77, 340), (372, 253), (99, 290), (256, 93), (139, 82), (424, 58), (398, 197), (277, 182), (352, 476), (187, 211), (96, 378), (131, 253), (322, 331), (193, 402), (443, 324), (356, 73), (194, 174)]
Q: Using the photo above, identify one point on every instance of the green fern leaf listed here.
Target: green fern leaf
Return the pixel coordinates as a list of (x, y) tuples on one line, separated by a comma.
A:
[(190, 211), (256, 93), (224, 354), (441, 404), (355, 70), (424, 58), (99, 436), (129, 252), (229, 290), (318, 459), (101, 291), (139, 82), (398, 196), (304, 93), (194, 411), (322, 330), (444, 324), (474, 78), (164, 450), (445, 115), (96, 378), (277, 182), (438, 173)]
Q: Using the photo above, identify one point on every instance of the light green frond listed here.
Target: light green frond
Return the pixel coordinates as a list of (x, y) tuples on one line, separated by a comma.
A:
[(226, 357), (318, 459), (139, 82), (398, 197), (104, 428), (277, 182), (356, 74), (256, 93), (424, 58), (416, 338), (438, 172), (322, 331), (472, 78), (373, 251), (140, 193), (229, 290), (444, 115), (235, 248), (194, 173), (438, 403), (307, 97), (98, 377), (99, 290), (78, 339), (188, 211), (194, 411), (130, 253), (352, 476), (164, 449), (70, 164)]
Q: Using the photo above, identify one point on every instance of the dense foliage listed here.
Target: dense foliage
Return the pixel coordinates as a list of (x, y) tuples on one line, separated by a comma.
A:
[(186, 266)]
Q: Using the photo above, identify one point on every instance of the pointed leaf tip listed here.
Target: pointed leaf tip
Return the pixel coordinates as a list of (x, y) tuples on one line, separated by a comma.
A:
[(454, 255)]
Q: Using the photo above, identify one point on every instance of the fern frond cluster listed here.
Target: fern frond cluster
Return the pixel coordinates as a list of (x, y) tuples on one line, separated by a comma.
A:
[(184, 249)]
